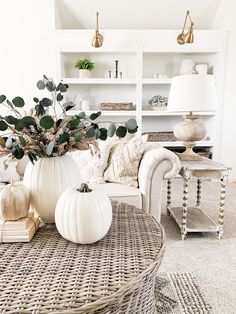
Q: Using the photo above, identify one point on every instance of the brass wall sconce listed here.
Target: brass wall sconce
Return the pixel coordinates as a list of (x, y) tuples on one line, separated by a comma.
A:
[(188, 37), (98, 38)]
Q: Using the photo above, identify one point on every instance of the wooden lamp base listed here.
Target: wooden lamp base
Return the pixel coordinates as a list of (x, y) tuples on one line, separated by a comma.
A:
[(189, 154)]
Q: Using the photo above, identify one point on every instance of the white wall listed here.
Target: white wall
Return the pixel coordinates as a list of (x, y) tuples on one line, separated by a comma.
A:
[(225, 20), (26, 46)]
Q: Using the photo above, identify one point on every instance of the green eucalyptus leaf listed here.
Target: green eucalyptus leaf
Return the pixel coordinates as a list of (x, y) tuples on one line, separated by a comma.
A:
[(58, 123), (3, 126), (59, 97), (28, 121), (103, 134), (111, 129), (18, 102), (90, 133), (30, 155), (74, 123), (45, 77), (22, 141), (18, 152), (131, 124), (40, 111), (9, 103), (49, 148), (133, 131), (19, 126), (11, 119), (35, 99), (2, 98), (41, 84), (46, 102), (81, 115), (64, 137), (97, 133), (46, 122), (51, 87), (95, 115), (79, 136), (121, 131)]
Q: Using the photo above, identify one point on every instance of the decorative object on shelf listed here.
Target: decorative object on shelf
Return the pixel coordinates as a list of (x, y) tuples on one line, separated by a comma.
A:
[(117, 71), (109, 74), (158, 102), (21, 230), (201, 68), (121, 75), (98, 38), (160, 136), (83, 215), (187, 67), (188, 37), (40, 135), (191, 93), (85, 66), (156, 75), (14, 201), (85, 105), (117, 106)]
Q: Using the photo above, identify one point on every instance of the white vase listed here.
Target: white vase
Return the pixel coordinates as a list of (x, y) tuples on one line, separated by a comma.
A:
[(47, 179), (84, 73)]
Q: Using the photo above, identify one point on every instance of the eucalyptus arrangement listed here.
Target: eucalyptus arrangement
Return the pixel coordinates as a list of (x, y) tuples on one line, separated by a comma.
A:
[(47, 131)]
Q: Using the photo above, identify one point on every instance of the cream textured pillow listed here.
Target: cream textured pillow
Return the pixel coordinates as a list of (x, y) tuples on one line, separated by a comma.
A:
[(124, 161), (92, 166)]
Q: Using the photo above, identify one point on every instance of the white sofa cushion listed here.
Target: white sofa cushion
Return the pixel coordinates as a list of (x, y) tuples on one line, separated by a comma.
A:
[(121, 193)]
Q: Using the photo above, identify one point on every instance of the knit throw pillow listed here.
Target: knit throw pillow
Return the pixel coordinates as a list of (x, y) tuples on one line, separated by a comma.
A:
[(92, 166), (124, 159)]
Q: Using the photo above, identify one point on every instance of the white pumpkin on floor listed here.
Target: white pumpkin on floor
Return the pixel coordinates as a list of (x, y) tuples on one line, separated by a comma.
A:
[(82, 215), (14, 201)]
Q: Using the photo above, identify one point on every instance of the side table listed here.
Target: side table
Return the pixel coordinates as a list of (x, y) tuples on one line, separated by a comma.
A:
[(194, 219)]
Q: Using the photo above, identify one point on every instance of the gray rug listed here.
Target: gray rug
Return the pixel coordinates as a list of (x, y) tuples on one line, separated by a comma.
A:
[(179, 293)]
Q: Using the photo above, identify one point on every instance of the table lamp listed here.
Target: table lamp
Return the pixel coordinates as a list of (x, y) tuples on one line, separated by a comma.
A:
[(189, 94)]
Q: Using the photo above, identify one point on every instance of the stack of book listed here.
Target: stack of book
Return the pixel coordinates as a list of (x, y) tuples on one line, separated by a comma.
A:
[(21, 230)]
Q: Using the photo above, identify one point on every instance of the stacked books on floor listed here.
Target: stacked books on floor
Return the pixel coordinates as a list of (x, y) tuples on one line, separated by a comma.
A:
[(21, 230)]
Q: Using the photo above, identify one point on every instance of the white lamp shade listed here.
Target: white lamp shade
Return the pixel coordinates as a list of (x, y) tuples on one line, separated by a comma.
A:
[(192, 92)]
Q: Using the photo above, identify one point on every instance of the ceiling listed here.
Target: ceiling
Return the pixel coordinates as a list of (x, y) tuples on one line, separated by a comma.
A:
[(136, 14)]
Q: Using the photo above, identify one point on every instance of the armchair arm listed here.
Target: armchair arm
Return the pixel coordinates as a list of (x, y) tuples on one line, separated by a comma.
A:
[(156, 165)]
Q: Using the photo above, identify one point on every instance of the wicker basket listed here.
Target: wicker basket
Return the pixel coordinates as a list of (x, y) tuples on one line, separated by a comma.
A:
[(117, 106), (160, 136)]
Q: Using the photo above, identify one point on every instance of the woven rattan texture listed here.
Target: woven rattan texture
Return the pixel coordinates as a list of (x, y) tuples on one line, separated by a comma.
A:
[(114, 275)]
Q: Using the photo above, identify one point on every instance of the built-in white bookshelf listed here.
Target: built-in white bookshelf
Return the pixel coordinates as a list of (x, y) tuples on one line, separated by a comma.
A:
[(141, 54)]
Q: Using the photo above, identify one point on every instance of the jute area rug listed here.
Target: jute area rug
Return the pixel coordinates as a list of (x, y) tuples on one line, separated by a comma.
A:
[(179, 293)]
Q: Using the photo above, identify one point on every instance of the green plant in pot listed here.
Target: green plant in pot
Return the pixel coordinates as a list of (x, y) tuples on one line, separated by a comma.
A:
[(45, 135), (85, 66)]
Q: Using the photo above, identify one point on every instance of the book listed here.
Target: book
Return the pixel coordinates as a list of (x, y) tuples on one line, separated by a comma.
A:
[(20, 224)]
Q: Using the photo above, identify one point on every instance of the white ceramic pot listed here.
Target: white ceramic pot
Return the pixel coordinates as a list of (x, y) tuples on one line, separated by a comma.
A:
[(84, 73), (82, 215), (47, 179)]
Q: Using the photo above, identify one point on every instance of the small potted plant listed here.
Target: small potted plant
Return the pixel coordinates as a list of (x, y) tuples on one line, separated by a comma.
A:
[(85, 66)]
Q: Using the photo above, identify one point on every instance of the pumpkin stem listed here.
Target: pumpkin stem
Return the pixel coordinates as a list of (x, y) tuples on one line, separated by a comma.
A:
[(84, 188)]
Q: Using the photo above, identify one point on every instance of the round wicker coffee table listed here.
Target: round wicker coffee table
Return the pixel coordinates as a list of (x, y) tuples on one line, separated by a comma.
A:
[(114, 275)]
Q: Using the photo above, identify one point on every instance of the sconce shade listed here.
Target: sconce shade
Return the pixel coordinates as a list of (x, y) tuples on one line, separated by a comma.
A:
[(189, 38), (192, 93), (97, 40)]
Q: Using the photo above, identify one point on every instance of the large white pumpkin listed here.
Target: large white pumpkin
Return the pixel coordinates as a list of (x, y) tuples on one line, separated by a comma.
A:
[(83, 216), (14, 201), (47, 179)]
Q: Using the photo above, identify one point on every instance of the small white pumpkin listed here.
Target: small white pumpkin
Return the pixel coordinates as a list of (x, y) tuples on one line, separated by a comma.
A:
[(82, 215), (14, 201)]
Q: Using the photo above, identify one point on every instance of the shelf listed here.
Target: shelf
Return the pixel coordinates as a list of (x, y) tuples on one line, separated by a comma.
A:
[(150, 113), (152, 81), (180, 144), (99, 81), (106, 113)]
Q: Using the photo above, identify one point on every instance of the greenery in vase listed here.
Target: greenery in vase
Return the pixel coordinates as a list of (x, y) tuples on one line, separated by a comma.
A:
[(44, 134), (84, 64)]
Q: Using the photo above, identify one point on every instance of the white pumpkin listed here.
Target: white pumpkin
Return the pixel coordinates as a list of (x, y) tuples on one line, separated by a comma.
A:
[(82, 215), (14, 201), (47, 179)]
